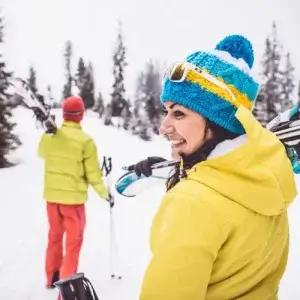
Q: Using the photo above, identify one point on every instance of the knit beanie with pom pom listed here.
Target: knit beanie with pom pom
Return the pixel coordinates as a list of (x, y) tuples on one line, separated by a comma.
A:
[(230, 65)]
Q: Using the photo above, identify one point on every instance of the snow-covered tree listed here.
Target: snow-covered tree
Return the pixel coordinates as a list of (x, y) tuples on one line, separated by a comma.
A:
[(67, 90), (32, 79), (268, 104), (85, 83), (99, 105), (9, 141), (288, 84), (147, 106), (118, 101)]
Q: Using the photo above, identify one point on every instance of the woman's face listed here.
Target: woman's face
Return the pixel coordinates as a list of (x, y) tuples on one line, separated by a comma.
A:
[(184, 128)]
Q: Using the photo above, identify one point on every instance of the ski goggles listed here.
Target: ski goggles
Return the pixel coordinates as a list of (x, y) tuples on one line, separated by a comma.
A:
[(179, 72)]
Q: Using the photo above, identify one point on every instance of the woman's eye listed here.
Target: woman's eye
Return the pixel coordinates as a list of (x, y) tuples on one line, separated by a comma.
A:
[(178, 113)]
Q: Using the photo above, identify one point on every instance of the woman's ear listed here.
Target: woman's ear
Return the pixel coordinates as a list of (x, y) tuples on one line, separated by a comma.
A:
[(209, 134)]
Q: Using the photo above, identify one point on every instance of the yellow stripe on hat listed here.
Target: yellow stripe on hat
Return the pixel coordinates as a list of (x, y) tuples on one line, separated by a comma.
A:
[(241, 99)]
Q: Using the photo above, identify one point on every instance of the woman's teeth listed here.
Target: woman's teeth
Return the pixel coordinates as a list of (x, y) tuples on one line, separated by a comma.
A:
[(177, 142)]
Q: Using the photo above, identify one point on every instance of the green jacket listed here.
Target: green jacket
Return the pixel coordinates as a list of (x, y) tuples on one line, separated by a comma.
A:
[(71, 164)]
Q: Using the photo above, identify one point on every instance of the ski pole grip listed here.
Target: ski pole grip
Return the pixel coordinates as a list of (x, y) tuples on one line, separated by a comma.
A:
[(109, 165), (106, 166)]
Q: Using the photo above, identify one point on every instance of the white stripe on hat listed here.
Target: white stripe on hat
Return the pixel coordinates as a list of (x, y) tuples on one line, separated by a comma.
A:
[(72, 113), (227, 57)]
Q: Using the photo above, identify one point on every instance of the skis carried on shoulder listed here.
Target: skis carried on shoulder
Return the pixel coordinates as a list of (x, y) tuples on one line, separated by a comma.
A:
[(130, 184), (286, 126), (34, 102)]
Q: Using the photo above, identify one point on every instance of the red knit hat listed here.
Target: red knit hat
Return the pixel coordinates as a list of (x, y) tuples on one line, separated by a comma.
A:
[(73, 109)]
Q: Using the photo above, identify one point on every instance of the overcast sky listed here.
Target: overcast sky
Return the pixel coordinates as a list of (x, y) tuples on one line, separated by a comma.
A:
[(168, 30)]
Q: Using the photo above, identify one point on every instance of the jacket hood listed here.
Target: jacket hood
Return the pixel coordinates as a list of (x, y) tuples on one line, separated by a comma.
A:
[(252, 170)]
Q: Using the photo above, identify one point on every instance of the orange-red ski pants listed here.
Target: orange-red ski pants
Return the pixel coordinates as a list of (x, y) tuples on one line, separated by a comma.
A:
[(69, 219)]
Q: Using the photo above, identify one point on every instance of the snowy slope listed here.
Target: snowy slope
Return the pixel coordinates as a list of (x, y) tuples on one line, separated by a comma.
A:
[(23, 223)]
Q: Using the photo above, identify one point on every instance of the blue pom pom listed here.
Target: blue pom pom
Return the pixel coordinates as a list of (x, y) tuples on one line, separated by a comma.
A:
[(239, 47)]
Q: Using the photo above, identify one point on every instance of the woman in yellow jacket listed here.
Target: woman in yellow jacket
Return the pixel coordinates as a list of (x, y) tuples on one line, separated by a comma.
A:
[(71, 164), (221, 231)]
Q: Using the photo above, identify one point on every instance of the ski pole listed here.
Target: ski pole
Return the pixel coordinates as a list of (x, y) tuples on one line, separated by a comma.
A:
[(114, 258)]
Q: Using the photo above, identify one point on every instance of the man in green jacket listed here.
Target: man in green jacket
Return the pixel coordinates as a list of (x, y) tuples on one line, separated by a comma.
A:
[(71, 164)]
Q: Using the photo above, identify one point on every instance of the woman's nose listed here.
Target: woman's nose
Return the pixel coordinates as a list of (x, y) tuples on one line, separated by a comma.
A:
[(166, 127)]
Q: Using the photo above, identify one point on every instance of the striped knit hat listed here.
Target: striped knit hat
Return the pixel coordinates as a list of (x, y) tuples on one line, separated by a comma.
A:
[(230, 63)]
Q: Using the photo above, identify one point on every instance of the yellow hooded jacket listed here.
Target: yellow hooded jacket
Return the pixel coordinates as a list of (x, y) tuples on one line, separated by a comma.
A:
[(222, 233), (71, 164)]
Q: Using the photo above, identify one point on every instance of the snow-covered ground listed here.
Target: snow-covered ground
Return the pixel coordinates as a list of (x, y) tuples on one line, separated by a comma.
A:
[(23, 221)]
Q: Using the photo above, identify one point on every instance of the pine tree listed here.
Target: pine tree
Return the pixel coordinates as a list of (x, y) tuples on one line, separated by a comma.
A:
[(147, 100), (118, 101), (67, 90), (260, 110), (85, 83), (140, 94), (138, 104), (32, 79), (79, 76), (269, 104), (153, 91), (88, 91), (8, 140), (288, 84), (126, 116), (99, 105), (50, 99), (108, 115)]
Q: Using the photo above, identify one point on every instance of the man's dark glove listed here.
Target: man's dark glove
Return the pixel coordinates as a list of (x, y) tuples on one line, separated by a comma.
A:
[(111, 200), (143, 167)]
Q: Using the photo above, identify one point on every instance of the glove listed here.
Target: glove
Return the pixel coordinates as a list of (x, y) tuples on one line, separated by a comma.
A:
[(143, 167), (111, 200)]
